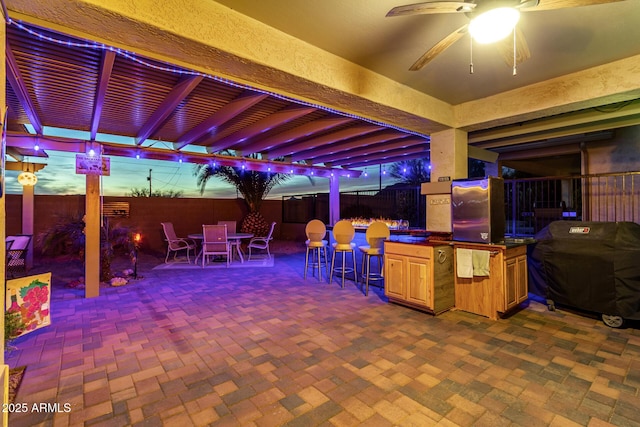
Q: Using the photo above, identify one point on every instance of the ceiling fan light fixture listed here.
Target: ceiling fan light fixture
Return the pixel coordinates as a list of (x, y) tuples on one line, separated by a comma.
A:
[(494, 24)]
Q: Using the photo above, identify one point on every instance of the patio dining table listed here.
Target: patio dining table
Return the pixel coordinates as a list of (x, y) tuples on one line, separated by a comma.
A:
[(231, 236)]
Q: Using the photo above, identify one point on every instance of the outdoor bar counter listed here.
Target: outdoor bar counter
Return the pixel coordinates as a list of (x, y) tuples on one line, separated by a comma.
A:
[(423, 274), (419, 273)]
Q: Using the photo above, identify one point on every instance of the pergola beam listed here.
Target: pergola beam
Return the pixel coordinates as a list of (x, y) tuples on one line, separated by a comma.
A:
[(168, 106), (106, 67), (261, 126), (20, 89), (246, 100)]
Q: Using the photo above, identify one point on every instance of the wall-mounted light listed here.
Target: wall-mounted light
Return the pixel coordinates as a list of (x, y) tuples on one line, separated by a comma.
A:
[(28, 179)]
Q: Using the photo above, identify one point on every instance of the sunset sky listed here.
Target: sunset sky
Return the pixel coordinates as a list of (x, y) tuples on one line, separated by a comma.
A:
[(59, 177)]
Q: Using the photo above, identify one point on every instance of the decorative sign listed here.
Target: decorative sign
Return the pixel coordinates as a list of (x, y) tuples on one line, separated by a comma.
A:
[(579, 230), (440, 201), (30, 297), (92, 165)]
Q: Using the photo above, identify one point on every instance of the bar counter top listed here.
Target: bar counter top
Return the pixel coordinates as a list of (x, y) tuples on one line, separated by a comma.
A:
[(424, 241)]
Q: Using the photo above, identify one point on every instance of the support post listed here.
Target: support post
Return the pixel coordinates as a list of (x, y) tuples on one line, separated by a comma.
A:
[(449, 154), (27, 220), (92, 237), (334, 200)]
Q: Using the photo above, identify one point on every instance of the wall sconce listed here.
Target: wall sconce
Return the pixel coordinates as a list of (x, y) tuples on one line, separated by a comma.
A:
[(28, 179)]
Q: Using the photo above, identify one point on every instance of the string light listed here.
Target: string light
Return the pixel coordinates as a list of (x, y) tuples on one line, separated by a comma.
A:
[(181, 71), (365, 173)]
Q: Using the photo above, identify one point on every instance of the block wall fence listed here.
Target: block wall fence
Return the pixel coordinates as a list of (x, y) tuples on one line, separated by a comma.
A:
[(145, 215)]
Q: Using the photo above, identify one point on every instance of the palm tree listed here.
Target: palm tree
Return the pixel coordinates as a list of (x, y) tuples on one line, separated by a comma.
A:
[(412, 172), (253, 185)]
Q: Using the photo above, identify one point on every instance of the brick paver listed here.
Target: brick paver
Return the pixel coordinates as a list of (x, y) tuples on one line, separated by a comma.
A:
[(262, 346)]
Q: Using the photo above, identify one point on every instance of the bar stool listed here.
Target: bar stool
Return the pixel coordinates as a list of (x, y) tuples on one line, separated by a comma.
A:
[(376, 234), (343, 233), (316, 247)]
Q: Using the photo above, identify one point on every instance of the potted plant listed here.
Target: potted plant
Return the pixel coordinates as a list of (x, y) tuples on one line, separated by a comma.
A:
[(13, 327), (67, 237)]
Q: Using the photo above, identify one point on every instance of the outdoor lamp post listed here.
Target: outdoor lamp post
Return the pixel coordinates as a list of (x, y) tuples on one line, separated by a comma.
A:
[(136, 242)]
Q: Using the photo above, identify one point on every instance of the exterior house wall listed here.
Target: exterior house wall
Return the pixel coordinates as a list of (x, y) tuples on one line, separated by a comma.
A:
[(613, 198)]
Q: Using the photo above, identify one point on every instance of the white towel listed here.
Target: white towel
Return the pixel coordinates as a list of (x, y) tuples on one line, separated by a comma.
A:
[(480, 262), (464, 263)]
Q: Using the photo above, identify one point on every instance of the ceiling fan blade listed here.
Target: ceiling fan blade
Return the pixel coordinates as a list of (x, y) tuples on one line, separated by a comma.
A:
[(505, 47), (432, 7), (561, 4), (440, 47)]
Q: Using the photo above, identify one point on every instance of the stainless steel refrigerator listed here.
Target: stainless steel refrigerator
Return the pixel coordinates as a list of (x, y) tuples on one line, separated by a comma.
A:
[(477, 210)]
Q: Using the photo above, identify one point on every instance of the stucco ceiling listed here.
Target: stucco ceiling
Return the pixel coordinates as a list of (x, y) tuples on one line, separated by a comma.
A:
[(326, 83), (561, 41)]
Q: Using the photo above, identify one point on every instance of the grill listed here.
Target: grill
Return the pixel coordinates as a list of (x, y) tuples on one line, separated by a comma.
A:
[(590, 266)]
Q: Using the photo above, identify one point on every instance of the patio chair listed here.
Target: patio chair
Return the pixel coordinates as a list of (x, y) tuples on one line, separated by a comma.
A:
[(262, 243), (17, 248), (214, 242), (176, 244), (316, 248), (344, 233), (376, 234), (231, 229)]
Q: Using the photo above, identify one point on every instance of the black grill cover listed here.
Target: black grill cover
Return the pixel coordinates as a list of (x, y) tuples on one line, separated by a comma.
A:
[(592, 266)]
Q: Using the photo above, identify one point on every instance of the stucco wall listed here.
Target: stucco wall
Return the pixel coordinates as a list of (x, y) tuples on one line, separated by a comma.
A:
[(620, 154), (613, 198)]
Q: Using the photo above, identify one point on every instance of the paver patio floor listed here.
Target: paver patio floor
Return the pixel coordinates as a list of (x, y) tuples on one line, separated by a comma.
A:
[(263, 347)]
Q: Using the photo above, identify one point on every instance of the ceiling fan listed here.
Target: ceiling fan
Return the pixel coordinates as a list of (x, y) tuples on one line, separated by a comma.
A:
[(477, 11)]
